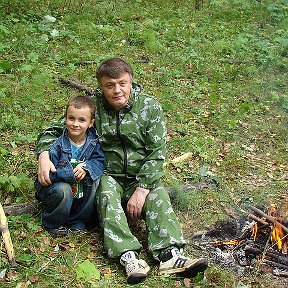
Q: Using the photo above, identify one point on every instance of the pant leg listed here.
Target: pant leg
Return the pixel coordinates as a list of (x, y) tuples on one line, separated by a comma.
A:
[(83, 208), (57, 200), (162, 224), (117, 235)]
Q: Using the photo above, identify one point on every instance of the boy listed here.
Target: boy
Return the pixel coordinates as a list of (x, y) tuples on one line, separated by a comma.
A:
[(69, 201)]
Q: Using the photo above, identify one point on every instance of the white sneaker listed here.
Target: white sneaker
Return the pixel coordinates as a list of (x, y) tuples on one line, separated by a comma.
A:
[(182, 265), (136, 269)]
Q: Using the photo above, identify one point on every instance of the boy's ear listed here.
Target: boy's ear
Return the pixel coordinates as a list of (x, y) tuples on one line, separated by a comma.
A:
[(92, 123)]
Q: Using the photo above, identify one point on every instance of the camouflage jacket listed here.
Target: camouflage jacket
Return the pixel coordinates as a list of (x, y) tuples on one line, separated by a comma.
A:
[(133, 139)]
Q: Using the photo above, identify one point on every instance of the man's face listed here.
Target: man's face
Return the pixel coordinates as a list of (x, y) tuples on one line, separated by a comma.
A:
[(116, 91)]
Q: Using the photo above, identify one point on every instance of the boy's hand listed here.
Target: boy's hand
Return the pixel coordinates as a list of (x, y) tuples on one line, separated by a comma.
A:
[(79, 172), (44, 168)]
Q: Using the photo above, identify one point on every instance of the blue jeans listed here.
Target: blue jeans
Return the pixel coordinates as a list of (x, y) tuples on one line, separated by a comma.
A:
[(60, 208)]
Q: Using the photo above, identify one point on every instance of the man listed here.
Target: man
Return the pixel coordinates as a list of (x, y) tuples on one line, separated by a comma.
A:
[(132, 135)]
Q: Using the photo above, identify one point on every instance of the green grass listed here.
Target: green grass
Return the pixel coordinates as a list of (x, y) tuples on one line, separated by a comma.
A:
[(221, 75)]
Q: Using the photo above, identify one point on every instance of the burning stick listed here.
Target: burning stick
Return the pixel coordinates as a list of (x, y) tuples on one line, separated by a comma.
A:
[(257, 219), (6, 237), (269, 218)]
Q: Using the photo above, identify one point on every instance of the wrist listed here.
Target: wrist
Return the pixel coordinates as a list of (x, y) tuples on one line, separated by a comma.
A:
[(143, 190)]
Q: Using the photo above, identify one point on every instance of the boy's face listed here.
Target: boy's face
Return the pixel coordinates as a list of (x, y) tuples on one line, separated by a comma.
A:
[(77, 122), (116, 91)]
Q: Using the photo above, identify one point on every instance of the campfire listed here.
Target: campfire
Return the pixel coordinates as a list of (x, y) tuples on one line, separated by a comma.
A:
[(258, 240)]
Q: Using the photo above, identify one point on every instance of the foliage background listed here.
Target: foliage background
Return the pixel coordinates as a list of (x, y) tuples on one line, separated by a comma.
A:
[(220, 73)]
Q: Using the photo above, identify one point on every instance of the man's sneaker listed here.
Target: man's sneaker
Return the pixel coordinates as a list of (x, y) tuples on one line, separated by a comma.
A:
[(136, 269), (58, 232), (175, 263)]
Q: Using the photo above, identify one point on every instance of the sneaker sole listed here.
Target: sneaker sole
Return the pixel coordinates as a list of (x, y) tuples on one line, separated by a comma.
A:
[(136, 278), (189, 271)]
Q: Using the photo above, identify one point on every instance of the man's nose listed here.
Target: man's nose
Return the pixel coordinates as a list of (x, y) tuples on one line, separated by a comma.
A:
[(117, 88)]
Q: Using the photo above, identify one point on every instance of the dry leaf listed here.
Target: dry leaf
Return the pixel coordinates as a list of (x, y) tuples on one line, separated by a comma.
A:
[(178, 284), (106, 272), (34, 278), (187, 282)]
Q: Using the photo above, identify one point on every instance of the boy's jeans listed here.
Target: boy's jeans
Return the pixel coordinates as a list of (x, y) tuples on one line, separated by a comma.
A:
[(60, 208)]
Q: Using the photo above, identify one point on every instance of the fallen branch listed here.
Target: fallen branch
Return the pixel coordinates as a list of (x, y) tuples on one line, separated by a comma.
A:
[(6, 238), (76, 84)]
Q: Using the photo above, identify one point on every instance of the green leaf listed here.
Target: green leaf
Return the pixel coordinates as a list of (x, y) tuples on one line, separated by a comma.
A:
[(26, 67), (5, 66), (33, 57), (26, 258), (88, 272)]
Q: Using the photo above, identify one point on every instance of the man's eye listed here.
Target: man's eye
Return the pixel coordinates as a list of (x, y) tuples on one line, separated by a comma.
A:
[(123, 84)]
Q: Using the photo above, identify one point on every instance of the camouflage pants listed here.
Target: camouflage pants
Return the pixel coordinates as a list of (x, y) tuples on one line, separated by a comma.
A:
[(162, 224)]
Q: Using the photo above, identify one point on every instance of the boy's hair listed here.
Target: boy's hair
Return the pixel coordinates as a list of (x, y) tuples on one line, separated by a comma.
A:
[(82, 102), (113, 68)]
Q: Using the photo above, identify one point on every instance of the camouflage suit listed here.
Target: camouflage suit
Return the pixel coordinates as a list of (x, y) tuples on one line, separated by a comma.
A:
[(133, 141)]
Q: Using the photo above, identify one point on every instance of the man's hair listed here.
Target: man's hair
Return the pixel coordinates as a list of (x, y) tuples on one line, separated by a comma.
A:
[(113, 68), (82, 102)]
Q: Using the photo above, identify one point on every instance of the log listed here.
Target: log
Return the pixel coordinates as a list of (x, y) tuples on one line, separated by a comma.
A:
[(269, 218), (18, 209), (6, 238)]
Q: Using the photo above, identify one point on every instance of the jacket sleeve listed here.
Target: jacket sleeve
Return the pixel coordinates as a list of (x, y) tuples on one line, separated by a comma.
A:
[(95, 164), (48, 136), (64, 169), (155, 146)]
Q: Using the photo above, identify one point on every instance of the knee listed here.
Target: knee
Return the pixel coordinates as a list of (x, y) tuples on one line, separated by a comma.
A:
[(60, 191)]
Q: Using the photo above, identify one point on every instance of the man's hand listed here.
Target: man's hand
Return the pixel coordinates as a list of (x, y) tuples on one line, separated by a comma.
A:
[(136, 202), (79, 172), (44, 167)]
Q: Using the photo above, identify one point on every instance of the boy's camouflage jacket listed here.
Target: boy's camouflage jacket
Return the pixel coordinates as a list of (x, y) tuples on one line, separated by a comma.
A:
[(133, 139)]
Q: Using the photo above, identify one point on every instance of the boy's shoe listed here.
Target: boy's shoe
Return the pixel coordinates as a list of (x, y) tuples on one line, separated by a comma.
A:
[(58, 232), (78, 228), (136, 269), (181, 265)]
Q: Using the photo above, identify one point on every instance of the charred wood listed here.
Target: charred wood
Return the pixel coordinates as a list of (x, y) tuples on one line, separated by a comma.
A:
[(274, 264), (280, 258)]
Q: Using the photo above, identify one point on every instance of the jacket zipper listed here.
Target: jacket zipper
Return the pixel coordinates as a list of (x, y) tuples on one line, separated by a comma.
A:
[(118, 122)]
